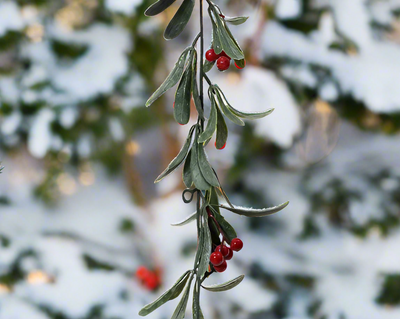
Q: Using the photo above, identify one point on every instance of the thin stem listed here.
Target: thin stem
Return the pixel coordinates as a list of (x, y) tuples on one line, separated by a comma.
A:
[(201, 59), (207, 79), (195, 39)]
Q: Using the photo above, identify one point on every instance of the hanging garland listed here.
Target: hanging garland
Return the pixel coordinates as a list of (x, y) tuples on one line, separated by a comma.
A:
[(217, 239)]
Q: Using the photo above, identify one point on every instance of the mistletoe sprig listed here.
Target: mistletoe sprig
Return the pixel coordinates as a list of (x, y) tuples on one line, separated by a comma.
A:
[(214, 232)]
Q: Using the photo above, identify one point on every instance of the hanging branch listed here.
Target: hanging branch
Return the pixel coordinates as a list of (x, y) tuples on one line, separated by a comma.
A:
[(217, 239)]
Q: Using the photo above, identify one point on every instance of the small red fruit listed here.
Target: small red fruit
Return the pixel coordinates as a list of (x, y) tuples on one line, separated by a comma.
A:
[(223, 63), (236, 244), (230, 255), (216, 258), (224, 54), (221, 147), (142, 273), (173, 105), (211, 56), (152, 281), (222, 267), (224, 250), (239, 66)]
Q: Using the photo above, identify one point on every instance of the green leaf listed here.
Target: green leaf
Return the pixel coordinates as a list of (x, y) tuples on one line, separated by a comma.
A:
[(205, 245), (236, 20), (187, 174), (180, 310), (205, 166), (223, 36), (197, 176), (251, 212), (183, 96), (224, 108), (248, 116), (180, 20), (207, 65), (158, 7), (229, 231), (195, 90), (241, 63), (196, 309), (170, 294), (222, 130), (211, 124), (177, 161), (172, 78), (225, 286), (187, 220)]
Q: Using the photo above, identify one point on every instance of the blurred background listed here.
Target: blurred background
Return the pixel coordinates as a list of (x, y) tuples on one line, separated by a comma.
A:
[(79, 213)]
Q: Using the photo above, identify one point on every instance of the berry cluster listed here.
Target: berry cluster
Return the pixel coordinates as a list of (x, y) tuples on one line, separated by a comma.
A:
[(223, 253), (223, 60), (149, 279)]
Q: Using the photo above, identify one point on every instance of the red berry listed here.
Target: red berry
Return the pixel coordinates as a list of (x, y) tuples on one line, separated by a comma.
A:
[(216, 258), (224, 250), (173, 105), (239, 66), (236, 244), (224, 54), (142, 273), (230, 255), (223, 63), (211, 56), (221, 147), (151, 281), (222, 267)]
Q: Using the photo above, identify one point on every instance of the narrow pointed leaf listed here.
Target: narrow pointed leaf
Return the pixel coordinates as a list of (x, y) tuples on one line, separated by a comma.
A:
[(180, 310), (248, 116), (224, 108), (236, 20), (170, 294), (252, 212), (205, 166), (196, 309), (197, 176), (177, 161), (216, 43), (229, 45), (172, 79), (187, 174), (227, 228), (222, 131), (180, 20), (158, 7), (183, 97), (195, 90), (187, 220), (226, 285), (207, 66), (206, 247), (211, 124)]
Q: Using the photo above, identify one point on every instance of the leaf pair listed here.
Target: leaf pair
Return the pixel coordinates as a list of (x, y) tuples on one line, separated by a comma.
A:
[(177, 161), (180, 19), (222, 36), (170, 294), (197, 169), (174, 77)]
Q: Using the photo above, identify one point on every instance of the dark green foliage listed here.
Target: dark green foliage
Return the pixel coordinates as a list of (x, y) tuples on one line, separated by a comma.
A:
[(389, 294), (92, 263), (68, 51)]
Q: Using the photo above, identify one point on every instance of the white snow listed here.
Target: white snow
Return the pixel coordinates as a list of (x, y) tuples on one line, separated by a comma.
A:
[(258, 90), (123, 6), (10, 17), (40, 134)]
